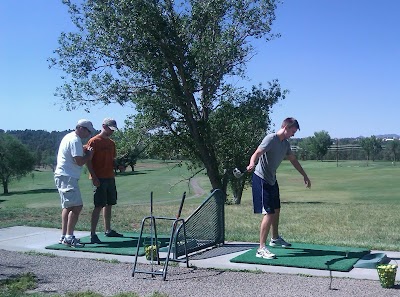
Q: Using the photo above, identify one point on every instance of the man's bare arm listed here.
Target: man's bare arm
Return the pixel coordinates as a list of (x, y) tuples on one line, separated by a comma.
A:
[(299, 168)]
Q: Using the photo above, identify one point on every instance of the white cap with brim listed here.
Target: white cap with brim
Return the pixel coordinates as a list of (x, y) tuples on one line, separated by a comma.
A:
[(86, 124)]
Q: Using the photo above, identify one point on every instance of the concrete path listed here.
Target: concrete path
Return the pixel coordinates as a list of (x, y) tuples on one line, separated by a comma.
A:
[(24, 239)]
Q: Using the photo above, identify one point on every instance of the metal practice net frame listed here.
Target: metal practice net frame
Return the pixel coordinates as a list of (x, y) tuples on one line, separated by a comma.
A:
[(204, 228), (176, 222)]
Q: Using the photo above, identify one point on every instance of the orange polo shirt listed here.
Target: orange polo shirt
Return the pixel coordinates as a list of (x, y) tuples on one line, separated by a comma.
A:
[(104, 153)]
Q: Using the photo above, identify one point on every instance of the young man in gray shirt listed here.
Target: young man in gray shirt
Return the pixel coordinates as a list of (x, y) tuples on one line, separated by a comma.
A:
[(266, 200)]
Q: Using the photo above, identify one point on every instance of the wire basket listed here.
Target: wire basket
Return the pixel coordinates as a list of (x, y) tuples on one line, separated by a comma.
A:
[(387, 274)]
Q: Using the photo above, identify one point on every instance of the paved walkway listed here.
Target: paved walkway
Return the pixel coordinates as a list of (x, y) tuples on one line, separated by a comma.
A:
[(23, 239)]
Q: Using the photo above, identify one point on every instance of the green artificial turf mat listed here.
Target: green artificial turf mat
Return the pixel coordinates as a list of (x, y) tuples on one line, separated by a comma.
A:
[(126, 245), (308, 256)]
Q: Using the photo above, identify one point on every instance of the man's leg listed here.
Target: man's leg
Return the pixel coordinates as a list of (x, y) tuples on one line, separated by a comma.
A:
[(95, 219), (73, 218), (111, 200), (107, 217), (64, 220), (275, 224), (268, 221), (276, 239)]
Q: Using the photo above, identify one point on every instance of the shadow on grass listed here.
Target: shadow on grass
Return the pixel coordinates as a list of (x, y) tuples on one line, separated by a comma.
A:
[(302, 202), (36, 191), (130, 173)]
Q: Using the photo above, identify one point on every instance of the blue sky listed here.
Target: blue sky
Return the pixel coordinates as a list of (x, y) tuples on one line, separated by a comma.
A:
[(339, 59)]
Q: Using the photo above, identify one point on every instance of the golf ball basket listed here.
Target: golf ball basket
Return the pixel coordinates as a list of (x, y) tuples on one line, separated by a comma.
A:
[(387, 274), (151, 252)]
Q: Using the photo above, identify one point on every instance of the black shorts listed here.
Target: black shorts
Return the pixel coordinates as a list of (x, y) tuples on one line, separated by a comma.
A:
[(106, 193), (265, 196)]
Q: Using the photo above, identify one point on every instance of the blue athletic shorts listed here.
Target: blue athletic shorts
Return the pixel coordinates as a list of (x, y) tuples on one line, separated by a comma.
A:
[(265, 197)]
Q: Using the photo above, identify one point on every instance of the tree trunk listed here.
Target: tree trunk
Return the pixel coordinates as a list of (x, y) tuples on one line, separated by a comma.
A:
[(198, 131), (225, 181), (238, 192), (213, 173), (5, 186)]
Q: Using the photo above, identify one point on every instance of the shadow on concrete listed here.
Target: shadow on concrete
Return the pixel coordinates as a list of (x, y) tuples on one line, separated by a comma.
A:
[(225, 249)]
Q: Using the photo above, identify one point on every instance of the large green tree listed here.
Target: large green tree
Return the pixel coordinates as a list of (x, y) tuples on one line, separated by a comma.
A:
[(171, 59), (393, 149), (371, 146), (15, 160), (317, 146)]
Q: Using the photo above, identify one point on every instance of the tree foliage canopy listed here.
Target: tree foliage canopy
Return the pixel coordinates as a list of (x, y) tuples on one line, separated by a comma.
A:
[(171, 60), (131, 142), (393, 148), (371, 145), (42, 144), (15, 160), (317, 145)]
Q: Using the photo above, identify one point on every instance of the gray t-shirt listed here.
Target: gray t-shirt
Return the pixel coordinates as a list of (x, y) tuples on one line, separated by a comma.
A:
[(275, 151)]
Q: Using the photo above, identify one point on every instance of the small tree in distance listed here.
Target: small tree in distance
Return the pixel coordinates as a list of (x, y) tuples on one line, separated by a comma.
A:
[(316, 146), (393, 149), (372, 146), (15, 160)]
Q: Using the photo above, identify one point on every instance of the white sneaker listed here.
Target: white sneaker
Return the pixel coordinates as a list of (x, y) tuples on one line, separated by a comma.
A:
[(264, 253), (61, 239), (73, 242), (279, 242)]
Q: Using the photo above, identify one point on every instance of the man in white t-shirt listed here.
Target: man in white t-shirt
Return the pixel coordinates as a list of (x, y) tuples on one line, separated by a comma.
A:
[(70, 159)]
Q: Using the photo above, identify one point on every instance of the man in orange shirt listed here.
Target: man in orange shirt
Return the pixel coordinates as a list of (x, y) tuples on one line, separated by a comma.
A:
[(101, 168)]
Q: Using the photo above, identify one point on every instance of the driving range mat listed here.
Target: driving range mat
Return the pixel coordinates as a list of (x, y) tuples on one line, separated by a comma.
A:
[(126, 245), (310, 256)]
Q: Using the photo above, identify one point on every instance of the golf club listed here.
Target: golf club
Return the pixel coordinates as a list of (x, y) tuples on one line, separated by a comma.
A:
[(178, 215), (152, 221), (238, 173)]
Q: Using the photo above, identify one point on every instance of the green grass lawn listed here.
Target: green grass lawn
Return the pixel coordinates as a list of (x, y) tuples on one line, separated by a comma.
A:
[(349, 205)]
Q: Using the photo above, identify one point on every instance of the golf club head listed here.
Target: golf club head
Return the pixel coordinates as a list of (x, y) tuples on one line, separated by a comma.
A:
[(237, 173)]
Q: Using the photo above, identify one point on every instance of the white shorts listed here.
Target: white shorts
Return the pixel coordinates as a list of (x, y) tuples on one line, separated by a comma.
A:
[(68, 188)]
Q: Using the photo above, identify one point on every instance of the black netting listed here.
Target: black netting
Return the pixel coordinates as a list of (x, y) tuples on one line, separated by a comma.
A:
[(204, 228)]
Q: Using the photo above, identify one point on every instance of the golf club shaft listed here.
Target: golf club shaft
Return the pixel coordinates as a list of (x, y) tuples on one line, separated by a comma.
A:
[(181, 206)]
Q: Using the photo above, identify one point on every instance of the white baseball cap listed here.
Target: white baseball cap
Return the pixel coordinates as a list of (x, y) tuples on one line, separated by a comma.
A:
[(86, 124)]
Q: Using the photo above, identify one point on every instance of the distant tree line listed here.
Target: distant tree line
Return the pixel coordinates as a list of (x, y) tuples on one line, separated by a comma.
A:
[(131, 145), (43, 145), (23, 150), (322, 147)]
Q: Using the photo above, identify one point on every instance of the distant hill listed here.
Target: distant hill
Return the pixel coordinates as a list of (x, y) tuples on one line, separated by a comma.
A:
[(388, 136)]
